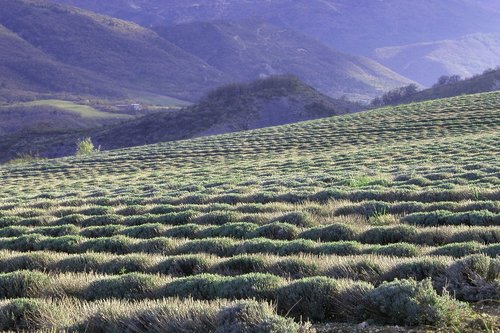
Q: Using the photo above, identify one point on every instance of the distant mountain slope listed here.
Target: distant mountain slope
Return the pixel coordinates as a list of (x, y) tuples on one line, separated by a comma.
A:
[(253, 49), (127, 55), (425, 62), (237, 107), (352, 26), (24, 67)]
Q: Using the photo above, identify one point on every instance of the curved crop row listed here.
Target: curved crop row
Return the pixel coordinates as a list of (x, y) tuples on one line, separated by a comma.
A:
[(277, 230), (225, 247)]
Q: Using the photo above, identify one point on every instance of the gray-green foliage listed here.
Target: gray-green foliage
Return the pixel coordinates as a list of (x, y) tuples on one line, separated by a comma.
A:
[(410, 302)]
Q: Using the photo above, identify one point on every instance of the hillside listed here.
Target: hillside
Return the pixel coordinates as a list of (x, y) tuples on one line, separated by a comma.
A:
[(25, 68), (331, 221), (356, 27), (488, 81), (253, 49), (425, 62), (237, 107), (117, 53)]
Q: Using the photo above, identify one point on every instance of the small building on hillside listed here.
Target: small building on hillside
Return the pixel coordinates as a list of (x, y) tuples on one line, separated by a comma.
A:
[(130, 107)]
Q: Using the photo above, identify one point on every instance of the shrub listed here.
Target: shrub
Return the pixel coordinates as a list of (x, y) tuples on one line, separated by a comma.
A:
[(473, 278), (97, 210), (299, 219), (149, 230), (331, 233), (417, 270), (183, 266), (68, 244), (408, 302), (126, 264), (232, 230), (88, 262), (14, 231), (240, 265), (86, 147), (295, 268), (102, 220), (310, 299), (259, 245), (116, 244), (23, 243), (388, 235), (183, 231), (432, 236), (492, 250), (253, 317), (129, 286), (217, 218), (478, 234), (297, 246), (219, 246), (26, 315), (58, 231), (443, 217), (23, 284), (7, 221), (75, 219), (458, 249), (339, 248), (203, 286), (253, 285), (283, 231), (363, 270), (159, 245), (101, 231), (183, 217), (29, 261), (397, 250)]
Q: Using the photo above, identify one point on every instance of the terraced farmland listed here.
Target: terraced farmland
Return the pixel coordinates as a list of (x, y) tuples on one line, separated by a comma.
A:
[(387, 216)]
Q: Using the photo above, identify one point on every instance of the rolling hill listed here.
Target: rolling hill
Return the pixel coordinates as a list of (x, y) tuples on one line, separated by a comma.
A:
[(255, 49), (52, 48), (425, 62), (115, 53), (331, 221), (25, 68), (237, 107)]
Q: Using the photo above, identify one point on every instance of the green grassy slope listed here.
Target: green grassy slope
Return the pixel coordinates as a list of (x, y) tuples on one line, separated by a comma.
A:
[(83, 111), (331, 208)]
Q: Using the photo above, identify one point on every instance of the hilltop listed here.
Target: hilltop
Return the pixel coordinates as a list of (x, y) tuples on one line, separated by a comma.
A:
[(236, 107), (331, 221), (254, 49)]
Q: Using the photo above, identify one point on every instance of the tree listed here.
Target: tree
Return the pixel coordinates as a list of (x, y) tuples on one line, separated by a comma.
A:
[(86, 147), (445, 79), (395, 96)]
